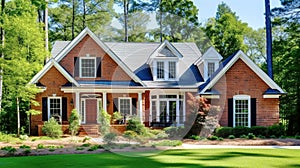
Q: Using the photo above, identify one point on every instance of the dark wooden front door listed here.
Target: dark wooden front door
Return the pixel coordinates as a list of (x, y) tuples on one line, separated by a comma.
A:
[(91, 108)]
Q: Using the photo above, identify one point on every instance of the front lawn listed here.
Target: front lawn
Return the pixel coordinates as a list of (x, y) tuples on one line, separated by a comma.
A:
[(171, 158)]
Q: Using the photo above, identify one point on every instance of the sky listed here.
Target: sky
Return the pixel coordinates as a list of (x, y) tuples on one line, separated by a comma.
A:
[(249, 11)]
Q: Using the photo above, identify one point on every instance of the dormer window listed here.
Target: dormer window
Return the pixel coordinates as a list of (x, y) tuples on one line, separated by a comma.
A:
[(210, 68), (165, 70), (88, 67)]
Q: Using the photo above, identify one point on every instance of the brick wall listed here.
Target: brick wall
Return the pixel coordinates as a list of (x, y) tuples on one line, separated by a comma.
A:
[(53, 80), (240, 79), (109, 68)]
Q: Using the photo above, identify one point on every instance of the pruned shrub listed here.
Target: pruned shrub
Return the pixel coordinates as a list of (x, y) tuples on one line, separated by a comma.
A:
[(213, 138), (251, 136), (134, 124), (195, 137), (231, 137), (224, 131), (52, 129), (276, 130), (74, 122), (238, 131), (259, 130)]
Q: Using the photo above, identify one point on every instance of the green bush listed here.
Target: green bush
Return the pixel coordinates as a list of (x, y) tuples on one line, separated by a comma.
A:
[(276, 130), (27, 151), (251, 136), (130, 135), (261, 136), (109, 137), (104, 122), (40, 146), (224, 131), (52, 129), (238, 131), (86, 145), (134, 124), (171, 131), (213, 137), (195, 137), (220, 139), (259, 130), (74, 122), (168, 143), (231, 137), (244, 136), (25, 147)]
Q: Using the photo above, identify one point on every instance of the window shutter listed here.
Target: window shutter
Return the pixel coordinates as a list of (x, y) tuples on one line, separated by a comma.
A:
[(64, 109), (116, 102), (133, 104), (44, 109), (98, 64), (253, 112), (76, 67), (230, 112)]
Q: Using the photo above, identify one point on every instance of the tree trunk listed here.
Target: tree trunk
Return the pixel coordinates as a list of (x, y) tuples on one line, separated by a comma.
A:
[(84, 13), (2, 53), (126, 5), (18, 117)]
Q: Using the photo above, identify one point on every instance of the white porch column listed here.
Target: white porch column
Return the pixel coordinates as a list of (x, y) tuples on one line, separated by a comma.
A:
[(177, 110), (140, 101), (104, 101), (77, 101)]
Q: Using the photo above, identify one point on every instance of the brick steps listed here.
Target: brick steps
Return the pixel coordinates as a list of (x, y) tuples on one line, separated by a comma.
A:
[(89, 130)]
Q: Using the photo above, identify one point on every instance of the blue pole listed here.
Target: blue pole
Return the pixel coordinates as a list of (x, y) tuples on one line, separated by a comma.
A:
[(269, 39)]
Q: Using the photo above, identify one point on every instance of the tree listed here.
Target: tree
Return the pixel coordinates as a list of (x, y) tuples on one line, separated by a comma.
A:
[(74, 122), (256, 45), (226, 31), (24, 55), (289, 12)]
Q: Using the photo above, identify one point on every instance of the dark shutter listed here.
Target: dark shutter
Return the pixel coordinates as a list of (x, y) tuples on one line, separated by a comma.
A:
[(44, 109), (133, 104), (253, 112), (98, 63), (230, 112), (115, 104), (76, 67), (64, 109)]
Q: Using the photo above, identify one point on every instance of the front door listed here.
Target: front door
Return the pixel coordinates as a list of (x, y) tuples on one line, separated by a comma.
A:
[(91, 109)]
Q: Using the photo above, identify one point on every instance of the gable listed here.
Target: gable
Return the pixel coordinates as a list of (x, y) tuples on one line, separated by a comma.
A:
[(53, 79)]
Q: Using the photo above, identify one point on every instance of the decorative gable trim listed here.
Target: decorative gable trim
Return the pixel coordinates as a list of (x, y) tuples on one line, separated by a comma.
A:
[(47, 67), (210, 54), (156, 52), (87, 31), (241, 55)]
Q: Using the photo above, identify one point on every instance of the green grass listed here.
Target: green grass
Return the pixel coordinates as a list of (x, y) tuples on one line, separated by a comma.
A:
[(173, 158)]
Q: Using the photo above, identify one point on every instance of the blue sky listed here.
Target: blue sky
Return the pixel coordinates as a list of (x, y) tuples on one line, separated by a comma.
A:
[(249, 11)]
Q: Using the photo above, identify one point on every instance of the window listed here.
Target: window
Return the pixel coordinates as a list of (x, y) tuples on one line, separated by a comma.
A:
[(241, 109), (172, 70), (125, 106), (167, 109), (88, 67), (160, 70), (210, 68), (55, 108), (165, 70)]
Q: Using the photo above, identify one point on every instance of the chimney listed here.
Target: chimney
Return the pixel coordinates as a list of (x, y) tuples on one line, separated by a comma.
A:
[(269, 39)]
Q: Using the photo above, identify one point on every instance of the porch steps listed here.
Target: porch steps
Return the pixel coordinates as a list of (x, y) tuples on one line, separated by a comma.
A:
[(89, 130)]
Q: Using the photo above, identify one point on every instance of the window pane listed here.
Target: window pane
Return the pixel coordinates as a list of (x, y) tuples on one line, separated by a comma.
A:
[(160, 70), (88, 67), (172, 111), (163, 111), (172, 70), (54, 107), (241, 113), (210, 68), (125, 106), (153, 111)]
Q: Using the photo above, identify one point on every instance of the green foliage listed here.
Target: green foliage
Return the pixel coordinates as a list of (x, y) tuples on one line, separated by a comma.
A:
[(134, 124), (93, 148), (224, 131), (251, 136), (25, 147), (104, 122), (23, 137), (231, 137), (40, 146), (117, 116), (244, 136), (297, 136), (213, 138), (110, 137), (238, 131), (74, 122), (172, 143), (130, 135), (195, 137), (276, 130), (9, 149), (86, 145), (27, 151), (259, 130), (52, 129)]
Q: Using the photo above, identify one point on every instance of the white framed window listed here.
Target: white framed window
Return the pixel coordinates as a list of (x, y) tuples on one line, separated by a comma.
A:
[(160, 70), (165, 70), (241, 110), (55, 107), (87, 67), (210, 68), (125, 105)]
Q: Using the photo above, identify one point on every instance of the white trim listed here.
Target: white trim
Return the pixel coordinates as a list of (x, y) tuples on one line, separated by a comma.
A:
[(130, 103), (271, 96), (104, 101), (47, 67), (250, 64), (80, 66), (83, 110), (97, 108), (166, 70), (211, 96), (242, 97), (210, 54), (60, 108), (106, 49), (140, 104)]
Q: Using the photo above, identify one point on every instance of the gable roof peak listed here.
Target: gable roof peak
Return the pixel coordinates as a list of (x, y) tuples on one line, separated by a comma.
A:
[(210, 54)]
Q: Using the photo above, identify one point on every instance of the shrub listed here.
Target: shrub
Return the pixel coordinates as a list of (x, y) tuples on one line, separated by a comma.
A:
[(213, 137), (273, 136), (130, 135), (40, 146), (224, 131), (168, 143), (276, 130), (23, 137), (74, 122), (52, 129), (27, 151), (93, 148), (195, 137), (79, 148), (251, 136), (172, 132), (238, 131), (261, 137), (110, 137), (220, 139), (104, 122), (297, 136), (259, 130), (244, 136), (117, 116), (25, 147), (86, 145), (231, 137), (134, 124)]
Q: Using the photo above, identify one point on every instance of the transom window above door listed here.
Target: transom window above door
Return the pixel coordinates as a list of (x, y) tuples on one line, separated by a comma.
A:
[(88, 67)]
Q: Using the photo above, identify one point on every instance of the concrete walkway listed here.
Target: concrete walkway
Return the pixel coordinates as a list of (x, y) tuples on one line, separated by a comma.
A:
[(191, 146)]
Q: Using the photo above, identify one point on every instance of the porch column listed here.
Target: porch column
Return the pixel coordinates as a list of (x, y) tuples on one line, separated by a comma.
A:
[(77, 103), (104, 101), (177, 110), (140, 101)]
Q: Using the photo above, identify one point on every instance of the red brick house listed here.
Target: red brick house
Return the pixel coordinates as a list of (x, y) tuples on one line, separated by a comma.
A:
[(150, 80)]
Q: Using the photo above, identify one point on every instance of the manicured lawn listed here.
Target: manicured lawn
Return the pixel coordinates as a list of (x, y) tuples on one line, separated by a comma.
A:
[(172, 158)]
